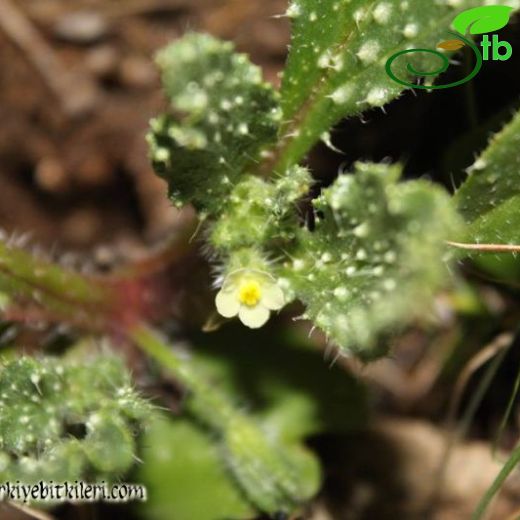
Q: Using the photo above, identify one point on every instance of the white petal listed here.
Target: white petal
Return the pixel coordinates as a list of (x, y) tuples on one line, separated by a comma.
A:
[(253, 317), (227, 303), (230, 284), (272, 297)]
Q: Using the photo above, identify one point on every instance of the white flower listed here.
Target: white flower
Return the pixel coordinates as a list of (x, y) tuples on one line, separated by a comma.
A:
[(251, 295)]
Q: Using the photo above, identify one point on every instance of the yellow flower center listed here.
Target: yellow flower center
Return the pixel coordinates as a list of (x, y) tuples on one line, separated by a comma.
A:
[(250, 293)]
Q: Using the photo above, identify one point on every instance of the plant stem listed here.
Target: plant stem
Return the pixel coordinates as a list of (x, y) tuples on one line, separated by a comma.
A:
[(208, 404), (59, 293), (507, 413), (496, 349), (508, 467), (265, 472), (487, 248)]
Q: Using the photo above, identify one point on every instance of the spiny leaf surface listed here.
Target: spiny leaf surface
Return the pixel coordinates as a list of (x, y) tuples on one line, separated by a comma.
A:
[(489, 199), (221, 115), (67, 420), (336, 66), (375, 258), (181, 465)]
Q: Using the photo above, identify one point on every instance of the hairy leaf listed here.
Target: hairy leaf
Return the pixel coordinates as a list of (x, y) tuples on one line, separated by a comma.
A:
[(221, 116), (489, 199), (252, 457), (258, 211), (499, 226), (336, 66), (273, 476), (181, 465), (279, 390), (67, 420), (375, 259)]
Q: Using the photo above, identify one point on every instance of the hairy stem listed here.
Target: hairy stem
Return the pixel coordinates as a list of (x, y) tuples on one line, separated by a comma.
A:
[(60, 293), (208, 405), (260, 466), (487, 248)]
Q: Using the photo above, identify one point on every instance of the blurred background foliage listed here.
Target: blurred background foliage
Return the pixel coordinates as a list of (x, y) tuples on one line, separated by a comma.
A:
[(77, 90)]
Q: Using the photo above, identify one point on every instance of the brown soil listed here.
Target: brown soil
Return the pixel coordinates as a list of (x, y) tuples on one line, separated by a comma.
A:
[(73, 162)]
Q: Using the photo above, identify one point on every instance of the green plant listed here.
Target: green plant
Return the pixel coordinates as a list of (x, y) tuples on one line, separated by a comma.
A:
[(232, 146), (90, 432)]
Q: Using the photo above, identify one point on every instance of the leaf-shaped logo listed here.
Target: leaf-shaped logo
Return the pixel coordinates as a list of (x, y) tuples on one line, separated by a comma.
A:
[(481, 20), (451, 45)]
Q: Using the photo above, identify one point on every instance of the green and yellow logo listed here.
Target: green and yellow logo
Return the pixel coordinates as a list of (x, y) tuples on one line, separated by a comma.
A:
[(479, 20)]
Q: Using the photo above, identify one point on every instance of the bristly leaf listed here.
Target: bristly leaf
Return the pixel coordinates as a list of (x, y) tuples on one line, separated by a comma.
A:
[(258, 211), (339, 48), (66, 420), (182, 464), (222, 115), (489, 199), (269, 473), (375, 259)]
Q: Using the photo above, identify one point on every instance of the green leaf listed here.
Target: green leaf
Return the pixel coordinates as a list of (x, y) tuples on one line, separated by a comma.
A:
[(259, 211), (185, 476), (283, 401), (261, 467), (498, 226), (222, 114), (67, 419), (260, 369), (109, 444), (375, 259), (336, 67), (481, 20), (269, 474), (489, 199)]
